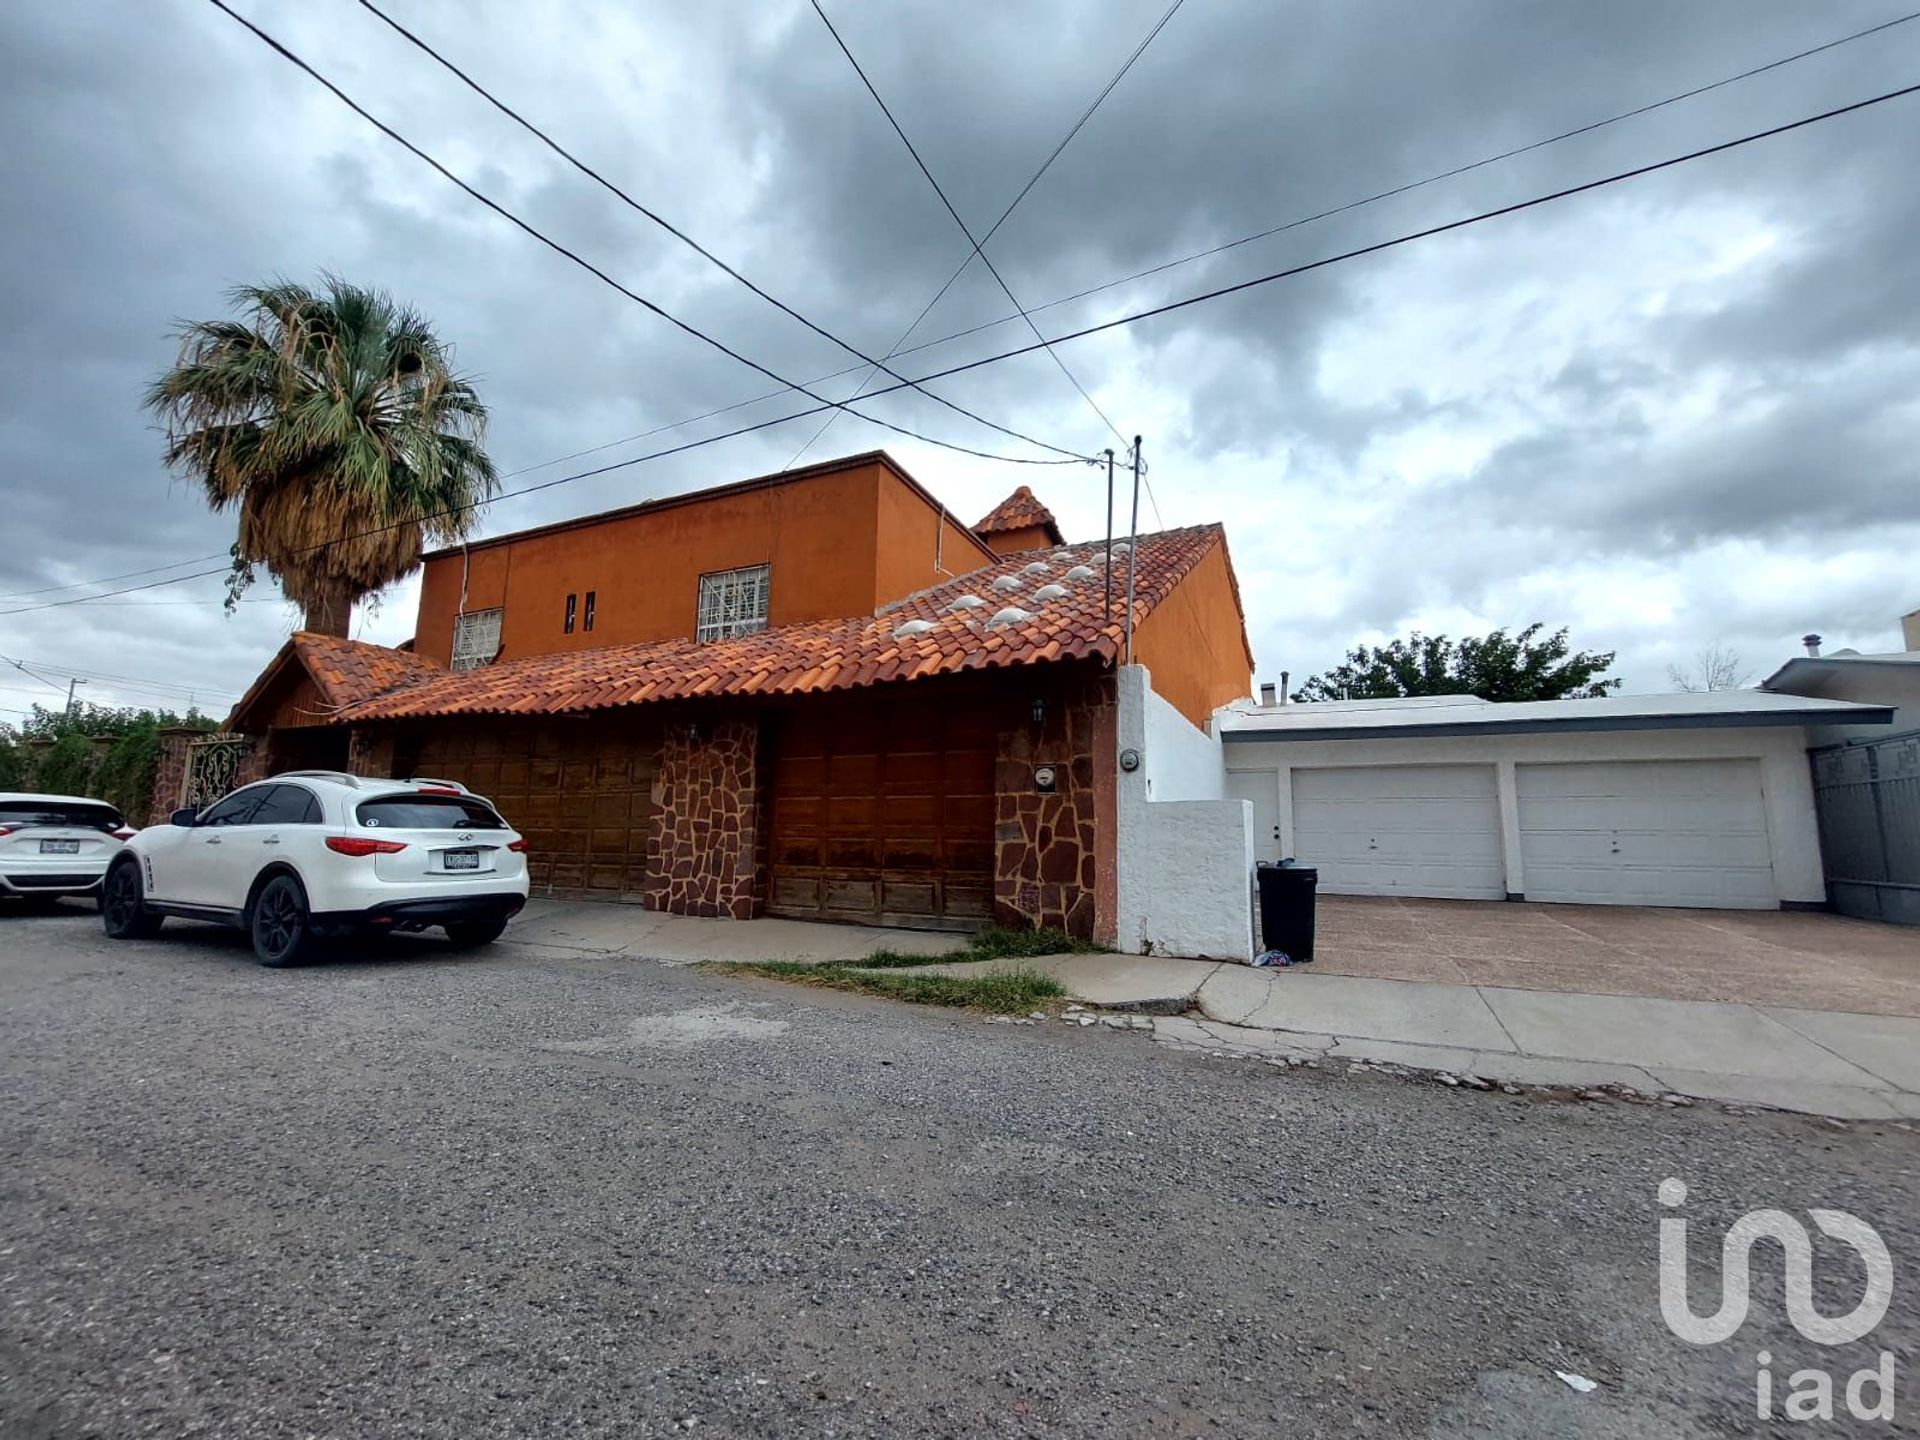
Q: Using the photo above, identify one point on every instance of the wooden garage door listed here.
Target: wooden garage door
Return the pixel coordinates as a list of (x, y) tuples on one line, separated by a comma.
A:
[(1647, 832), (581, 791), (1401, 830), (883, 813)]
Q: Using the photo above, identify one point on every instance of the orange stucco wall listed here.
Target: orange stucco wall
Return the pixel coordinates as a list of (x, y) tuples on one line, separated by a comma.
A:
[(1010, 542), (1195, 644), (839, 544), (917, 545)]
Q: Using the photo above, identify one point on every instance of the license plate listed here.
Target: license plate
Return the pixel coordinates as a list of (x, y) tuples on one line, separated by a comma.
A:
[(463, 859), (59, 847)]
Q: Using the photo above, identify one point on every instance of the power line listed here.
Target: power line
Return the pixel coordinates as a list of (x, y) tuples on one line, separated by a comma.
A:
[(554, 245), (106, 677), (964, 229), (1110, 284), (680, 234), (1129, 319)]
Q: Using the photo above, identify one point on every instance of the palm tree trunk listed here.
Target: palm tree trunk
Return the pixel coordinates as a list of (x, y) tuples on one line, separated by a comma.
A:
[(331, 611)]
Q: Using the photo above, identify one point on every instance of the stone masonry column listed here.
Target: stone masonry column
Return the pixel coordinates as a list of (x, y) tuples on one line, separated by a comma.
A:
[(703, 852)]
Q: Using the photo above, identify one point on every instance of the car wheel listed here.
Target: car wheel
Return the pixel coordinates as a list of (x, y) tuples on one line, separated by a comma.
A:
[(123, 905), (475, 933), (281, 925)]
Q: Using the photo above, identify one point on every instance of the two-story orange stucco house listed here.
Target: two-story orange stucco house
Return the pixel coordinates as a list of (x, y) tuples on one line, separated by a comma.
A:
[(811, 694)]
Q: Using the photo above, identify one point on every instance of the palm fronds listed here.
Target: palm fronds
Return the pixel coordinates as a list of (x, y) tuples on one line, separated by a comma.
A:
[(336, 426)]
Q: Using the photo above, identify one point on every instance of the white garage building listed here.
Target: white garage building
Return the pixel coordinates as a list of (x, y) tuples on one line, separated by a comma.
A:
[(1691, 800)]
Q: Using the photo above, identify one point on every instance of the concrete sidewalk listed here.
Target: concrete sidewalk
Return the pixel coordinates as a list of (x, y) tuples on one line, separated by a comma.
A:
[(1820, 1062), (1861, 1067), (603, 928)]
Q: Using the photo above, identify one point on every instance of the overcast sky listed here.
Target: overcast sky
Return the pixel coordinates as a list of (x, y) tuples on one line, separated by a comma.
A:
[(1676, 412)]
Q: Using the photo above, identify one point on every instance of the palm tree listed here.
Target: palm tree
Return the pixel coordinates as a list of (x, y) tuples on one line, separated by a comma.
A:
[(334, 424)]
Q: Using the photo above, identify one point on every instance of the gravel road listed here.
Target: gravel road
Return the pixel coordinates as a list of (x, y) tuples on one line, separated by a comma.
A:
[(537, 1192)]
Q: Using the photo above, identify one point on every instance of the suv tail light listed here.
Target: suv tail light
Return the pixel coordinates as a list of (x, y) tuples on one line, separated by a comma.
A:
[(436, 790), (519, 847), (123, 833), (6, 830), (359, 845)]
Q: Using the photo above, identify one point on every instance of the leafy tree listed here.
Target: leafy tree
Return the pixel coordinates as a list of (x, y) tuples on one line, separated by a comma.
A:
[(1497, 666), (334, 424), (13, 759), (1713, 668), (73, 765)]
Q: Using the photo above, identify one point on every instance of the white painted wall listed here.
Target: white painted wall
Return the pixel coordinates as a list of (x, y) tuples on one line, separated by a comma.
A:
[(1182, 763), (1780, 751), (1185, 854)]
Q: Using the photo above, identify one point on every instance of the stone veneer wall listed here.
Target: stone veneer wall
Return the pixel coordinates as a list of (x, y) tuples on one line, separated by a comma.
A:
[(703, 855), (170, 773), (1047, 869)]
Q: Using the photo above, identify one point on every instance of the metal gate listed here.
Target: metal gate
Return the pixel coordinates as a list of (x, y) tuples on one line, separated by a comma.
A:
[(1867, 793), (213, 768)]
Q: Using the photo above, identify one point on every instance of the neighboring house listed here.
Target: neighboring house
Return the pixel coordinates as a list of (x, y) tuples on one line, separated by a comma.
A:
[(1866, 780), (1689, 800), (813, 694)]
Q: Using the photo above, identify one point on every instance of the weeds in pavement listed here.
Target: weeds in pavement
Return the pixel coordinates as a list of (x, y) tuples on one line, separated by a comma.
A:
[(994, 944)]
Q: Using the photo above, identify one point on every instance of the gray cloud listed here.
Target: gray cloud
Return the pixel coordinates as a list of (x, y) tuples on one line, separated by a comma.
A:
[(1666, 388)]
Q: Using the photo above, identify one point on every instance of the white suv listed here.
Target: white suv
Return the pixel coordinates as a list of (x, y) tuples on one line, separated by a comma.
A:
[(54, 845), (316, 853)]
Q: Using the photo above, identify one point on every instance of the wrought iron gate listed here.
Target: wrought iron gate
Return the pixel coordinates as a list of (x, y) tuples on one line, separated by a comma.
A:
[(1867, 793), (213, 768)]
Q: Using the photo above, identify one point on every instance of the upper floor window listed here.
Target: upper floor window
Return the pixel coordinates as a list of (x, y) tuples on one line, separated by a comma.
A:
[(586, 621), (476, 638), (573, 608), (732, 602)]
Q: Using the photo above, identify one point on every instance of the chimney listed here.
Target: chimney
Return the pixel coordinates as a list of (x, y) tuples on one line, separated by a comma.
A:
[(1812, 642), (1286, 680), (1267, 702), (1910, 629)]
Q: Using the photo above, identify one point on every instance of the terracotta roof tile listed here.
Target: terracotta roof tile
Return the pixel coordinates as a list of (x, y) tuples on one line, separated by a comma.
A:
[(1019, 511), (349, 671), (802, 659)]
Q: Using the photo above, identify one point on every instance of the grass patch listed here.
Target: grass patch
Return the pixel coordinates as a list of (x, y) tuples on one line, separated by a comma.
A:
[(991, 944), (1009, 992)]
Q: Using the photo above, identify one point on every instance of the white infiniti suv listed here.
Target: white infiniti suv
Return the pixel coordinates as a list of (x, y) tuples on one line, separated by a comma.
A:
[(311, 854)]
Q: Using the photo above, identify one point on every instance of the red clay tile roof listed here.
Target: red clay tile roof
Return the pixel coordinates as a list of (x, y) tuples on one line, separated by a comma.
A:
[(1020, 511), (348, 671), (343, 671), (836, 654)]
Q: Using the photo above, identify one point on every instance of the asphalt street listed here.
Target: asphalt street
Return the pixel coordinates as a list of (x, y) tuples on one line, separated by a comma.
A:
[(534, 1192)]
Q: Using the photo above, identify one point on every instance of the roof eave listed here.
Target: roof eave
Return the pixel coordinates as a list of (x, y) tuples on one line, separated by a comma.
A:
[(1580, 724)]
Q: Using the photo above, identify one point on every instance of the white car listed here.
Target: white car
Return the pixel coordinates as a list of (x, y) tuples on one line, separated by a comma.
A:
[(313, 854), (54, 845)]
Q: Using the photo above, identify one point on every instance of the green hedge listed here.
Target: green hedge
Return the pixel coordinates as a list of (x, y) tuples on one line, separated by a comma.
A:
[(73, 765)]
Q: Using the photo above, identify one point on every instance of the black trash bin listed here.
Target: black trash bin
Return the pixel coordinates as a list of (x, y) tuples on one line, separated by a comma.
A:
[(1287, 893)]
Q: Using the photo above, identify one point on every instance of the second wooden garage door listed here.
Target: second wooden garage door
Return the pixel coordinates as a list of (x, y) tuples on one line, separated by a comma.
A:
[(883, 813)]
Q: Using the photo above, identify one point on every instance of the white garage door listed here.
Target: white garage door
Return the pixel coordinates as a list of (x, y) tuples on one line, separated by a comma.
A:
[(1401, 830), (1684, 832)]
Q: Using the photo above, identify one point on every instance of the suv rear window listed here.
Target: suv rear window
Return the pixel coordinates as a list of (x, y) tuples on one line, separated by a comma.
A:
[(18, 814), (429, 812)]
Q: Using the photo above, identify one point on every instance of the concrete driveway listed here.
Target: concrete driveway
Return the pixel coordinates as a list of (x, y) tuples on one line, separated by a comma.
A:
[(1757, 957)]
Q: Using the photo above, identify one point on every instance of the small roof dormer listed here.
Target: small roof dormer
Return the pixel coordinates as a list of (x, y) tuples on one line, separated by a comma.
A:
[(1019, 522)]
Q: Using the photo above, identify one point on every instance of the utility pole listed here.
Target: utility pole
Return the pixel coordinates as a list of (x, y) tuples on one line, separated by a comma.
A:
[(71, 684), (1107, 613), (1133, 546)]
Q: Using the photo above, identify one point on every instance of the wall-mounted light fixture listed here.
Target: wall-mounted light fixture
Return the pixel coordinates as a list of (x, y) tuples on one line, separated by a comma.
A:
[(1039, 712)]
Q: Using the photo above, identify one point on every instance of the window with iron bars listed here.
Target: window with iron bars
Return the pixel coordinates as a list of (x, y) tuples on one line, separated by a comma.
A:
[(476, 638), (732, 602)]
